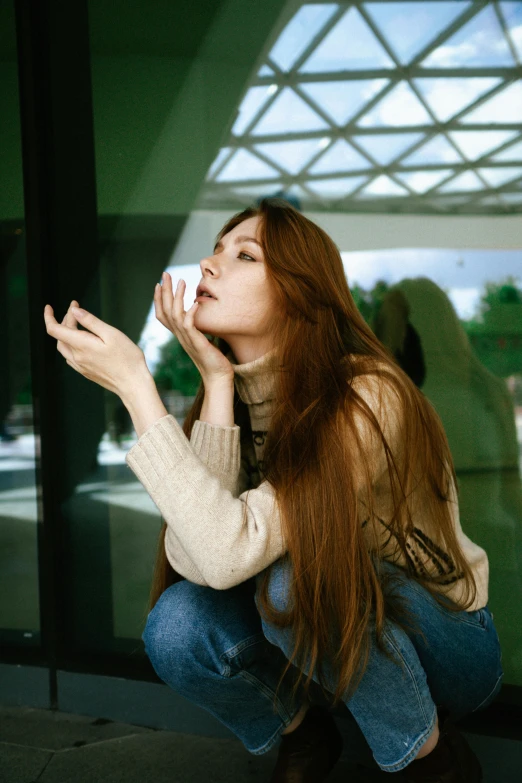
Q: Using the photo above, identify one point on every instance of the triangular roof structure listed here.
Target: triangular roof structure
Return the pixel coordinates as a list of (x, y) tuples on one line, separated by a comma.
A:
[(382, 106)]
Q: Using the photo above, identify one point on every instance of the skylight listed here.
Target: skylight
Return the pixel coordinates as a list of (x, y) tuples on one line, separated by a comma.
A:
[(357, 106)]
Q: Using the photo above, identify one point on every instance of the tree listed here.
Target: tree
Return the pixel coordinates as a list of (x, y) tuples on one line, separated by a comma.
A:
[(495, 332), (369, 301), (176, 370)]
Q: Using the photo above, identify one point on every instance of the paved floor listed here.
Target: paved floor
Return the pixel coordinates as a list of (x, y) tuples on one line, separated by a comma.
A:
[(49, 747)]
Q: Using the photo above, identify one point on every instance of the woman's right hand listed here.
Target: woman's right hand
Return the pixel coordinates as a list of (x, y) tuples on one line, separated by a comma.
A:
[(213, 366)]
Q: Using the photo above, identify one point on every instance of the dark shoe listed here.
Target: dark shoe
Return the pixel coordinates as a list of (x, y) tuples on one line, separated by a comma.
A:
[(308, 754), (451, 761)]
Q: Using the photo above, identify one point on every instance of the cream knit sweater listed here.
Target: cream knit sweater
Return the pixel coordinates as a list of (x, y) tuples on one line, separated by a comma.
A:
[(223, 522)]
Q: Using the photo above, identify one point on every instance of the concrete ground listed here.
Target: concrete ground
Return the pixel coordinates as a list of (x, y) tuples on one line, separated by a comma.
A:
[(53, 747)]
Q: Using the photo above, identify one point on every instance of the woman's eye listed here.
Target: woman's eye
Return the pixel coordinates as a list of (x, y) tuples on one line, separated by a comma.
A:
[(247, 256)]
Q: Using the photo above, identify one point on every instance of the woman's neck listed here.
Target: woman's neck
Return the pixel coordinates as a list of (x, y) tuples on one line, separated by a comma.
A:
[(248, 350)]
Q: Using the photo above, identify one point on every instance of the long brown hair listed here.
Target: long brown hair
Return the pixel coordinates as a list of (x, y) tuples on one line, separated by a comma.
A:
[(316, 458)]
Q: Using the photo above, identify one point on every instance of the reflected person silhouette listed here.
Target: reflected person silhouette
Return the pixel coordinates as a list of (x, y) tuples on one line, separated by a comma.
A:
[(478, 416)]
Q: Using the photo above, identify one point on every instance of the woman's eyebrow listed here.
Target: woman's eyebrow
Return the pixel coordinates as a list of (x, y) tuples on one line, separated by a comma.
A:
[(238, 241)]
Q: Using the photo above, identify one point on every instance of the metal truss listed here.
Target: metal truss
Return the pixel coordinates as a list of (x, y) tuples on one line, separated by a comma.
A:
[(229, 194)]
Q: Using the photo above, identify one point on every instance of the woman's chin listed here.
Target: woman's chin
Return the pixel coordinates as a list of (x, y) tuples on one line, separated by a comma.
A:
[(205, 324)]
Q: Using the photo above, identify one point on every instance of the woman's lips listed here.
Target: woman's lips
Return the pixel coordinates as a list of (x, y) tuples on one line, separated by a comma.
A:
[(202, 298)]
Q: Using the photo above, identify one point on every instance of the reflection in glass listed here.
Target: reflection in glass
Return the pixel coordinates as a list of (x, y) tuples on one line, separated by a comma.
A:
[(157, 212), (473, 376), (19, 595)]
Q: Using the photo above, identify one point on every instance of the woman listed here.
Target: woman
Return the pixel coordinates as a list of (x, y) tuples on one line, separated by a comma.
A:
[(312, 490)]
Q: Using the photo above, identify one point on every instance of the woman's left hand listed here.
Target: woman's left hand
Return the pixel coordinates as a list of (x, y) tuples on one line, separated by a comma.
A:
[(103, 354)]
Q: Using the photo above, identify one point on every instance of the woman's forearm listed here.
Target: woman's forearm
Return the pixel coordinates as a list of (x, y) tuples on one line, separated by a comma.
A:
[(218, 404), (143, 402)]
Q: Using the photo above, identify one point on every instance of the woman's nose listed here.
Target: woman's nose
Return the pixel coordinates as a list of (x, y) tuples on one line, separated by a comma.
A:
[(208, 265)]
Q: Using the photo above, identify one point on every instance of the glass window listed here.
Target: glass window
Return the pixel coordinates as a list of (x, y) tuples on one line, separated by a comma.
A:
[(245, 165), (193, 124), (475, 144), (385, 147), (343, 100), (502, 108), (500, 176), (19, 597), (291, 156), (399, 107), (251, 104), (364, 51), (341, 156), (382, 186), (447, 97), (304, 25), (511, 10), (480, 42), (465, 308), (424, 23), (511, 153), (335, 188), (288, 112), (323, 90), (466, 181), (436, 150), (421, 181)]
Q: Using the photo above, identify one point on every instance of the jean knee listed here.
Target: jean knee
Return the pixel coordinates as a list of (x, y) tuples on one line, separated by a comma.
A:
[(169, 632), (278, 584)]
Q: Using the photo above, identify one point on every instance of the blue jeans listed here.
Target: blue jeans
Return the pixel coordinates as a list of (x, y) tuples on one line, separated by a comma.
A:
[(214, 648)]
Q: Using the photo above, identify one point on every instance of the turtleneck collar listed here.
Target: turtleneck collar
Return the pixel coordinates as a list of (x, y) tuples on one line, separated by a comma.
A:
[(255, 380)]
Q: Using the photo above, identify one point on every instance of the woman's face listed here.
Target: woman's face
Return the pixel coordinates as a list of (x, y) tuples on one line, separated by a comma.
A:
[(236, 276)]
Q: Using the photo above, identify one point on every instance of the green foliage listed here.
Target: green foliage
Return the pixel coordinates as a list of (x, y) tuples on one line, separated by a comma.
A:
[(176, 370), (369, 301), (495, 294), (495, 331)]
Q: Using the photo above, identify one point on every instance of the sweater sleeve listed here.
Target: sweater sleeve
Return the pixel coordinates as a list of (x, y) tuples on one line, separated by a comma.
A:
[(219, 449), (228, 539)]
